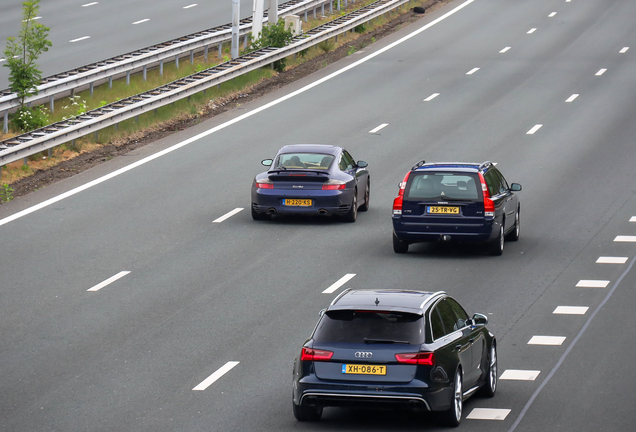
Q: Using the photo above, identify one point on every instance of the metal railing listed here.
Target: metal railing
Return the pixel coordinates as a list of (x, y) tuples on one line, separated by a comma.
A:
[(62, 132)]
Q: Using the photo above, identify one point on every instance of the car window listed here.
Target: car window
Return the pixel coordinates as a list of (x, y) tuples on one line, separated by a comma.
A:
[(449, 319), (459, 311), (503, 187), (304, 161), (436, 324), (346, 161), (447, 185), (356, 326), (493, 182)]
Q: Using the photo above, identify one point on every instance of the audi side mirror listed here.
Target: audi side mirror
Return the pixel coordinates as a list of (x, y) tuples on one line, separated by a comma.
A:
[(515, 187), (479, 320), (267, 162)]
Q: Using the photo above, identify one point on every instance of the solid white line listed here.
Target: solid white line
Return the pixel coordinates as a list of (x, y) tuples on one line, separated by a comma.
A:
[(520, 375), (472, 71), (623, 50), (231, 122), (79, 39), (611, 260), (534, 129), (504, 50), (552, 14), (89, 4), (431, 97), (570, 310), (601, 72), (488, 414), (108, 281), (191, 6), (340, 282), (141, 21), (629, 239), (571, 98), (546, 340), (228, 215), (216, 375), (532, 30), (586, 283), (382, 126)]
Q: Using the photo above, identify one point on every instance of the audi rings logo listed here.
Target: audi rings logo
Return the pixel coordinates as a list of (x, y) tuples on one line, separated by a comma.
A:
[(363, 354)]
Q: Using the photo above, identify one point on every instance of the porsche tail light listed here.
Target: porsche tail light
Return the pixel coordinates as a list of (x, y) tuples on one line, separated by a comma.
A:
[(489, 204), (418, 358), (310, 354), (332, 184), (264, 184), (399, 200)]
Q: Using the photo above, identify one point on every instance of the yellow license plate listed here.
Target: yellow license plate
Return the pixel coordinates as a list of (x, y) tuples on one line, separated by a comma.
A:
[(363, 369), (442, 210), (297, 202)]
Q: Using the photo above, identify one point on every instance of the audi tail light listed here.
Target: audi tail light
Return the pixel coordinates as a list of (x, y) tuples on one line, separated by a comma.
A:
[(489, 204), (264, 184), (310, 354), (418, 358), (399, 200), (333, 184)]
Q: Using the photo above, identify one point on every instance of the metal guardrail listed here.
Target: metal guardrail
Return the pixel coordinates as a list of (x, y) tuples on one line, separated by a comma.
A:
[(65, 82), (58, 133)]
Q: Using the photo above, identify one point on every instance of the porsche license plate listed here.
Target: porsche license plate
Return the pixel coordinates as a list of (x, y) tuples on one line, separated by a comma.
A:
[(297, 202), (442, 210), (364, 369)]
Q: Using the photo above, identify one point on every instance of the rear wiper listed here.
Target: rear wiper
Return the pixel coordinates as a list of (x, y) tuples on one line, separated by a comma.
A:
[(385, 341)]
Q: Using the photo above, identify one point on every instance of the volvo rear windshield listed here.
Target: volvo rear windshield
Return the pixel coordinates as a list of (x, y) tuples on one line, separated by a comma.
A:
[(370, 327), (443, 186)]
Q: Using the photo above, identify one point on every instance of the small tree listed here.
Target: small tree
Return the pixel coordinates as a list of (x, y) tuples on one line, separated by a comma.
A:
[(274, 35), (22, 52)]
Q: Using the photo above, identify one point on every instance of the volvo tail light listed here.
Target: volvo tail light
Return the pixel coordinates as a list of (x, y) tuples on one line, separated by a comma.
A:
[(399, 200), (418, 358), (310, 354), (264, 184), (332, 184), (489, 204)]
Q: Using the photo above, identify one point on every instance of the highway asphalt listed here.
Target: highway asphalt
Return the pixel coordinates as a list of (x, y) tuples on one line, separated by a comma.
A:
[(87, 31), (157, 348)]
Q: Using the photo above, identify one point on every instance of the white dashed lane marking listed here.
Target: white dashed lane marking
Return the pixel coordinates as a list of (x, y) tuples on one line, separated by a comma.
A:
[(377, 129), (431, 97), (628, 239), (191, 6), (216, 375), (546, 340), (520, 375), (571, 98), (504, 50), (141, 21), (552, 15), (228, 215), (89, 4), (570, 310), (586, 283), (340, 282), (632, 219), (624, 50), (601, 72), (79, 39), (472, 71), (488, 414), (532, 30), (108, 281), (534, 129), (611, 260)]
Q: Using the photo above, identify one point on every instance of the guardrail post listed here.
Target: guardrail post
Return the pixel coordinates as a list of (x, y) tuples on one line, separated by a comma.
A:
[(331, 7), (92, 85), (25, 161), (220, 49), (161, 68), (338, 5), (322, 11), (314, 12), (346, 3), (52, 103), (305, 16), (205, 54), (245, 41), (110, 82), (127, 77), (5, 122), (191, 56), (50, 152), (176, 61), (145, 70), (95, 136)]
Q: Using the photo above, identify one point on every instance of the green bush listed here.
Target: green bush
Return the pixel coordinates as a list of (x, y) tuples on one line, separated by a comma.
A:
[(274, 35), (27, 119), (6, 193), (327, 45), (360, 28)]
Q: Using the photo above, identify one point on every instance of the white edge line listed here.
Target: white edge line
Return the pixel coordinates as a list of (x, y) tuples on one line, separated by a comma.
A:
[(228, 215), (109, 281), (216, 375), (231, 122), (382, 126), (340, 282)]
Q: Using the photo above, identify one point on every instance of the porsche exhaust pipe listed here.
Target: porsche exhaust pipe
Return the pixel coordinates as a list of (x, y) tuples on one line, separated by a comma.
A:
[(271, 211), (322, 212)]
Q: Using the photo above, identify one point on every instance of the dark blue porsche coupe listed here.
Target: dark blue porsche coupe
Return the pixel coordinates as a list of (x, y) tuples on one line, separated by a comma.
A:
[(311, 179)]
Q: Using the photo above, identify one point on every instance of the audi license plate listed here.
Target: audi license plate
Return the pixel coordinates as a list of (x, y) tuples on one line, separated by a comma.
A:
[(363, 369), (297, 202), (442, 210)]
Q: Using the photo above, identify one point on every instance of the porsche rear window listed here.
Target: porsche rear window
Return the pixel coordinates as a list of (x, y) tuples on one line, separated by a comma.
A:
[(369, 326), (443, 185), (304, 161)]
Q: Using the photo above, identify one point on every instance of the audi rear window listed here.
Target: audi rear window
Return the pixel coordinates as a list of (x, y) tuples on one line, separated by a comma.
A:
[(369, 327), (443, 186)]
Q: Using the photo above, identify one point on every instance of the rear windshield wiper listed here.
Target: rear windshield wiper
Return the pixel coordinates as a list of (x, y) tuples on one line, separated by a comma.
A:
[(385, 341)]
